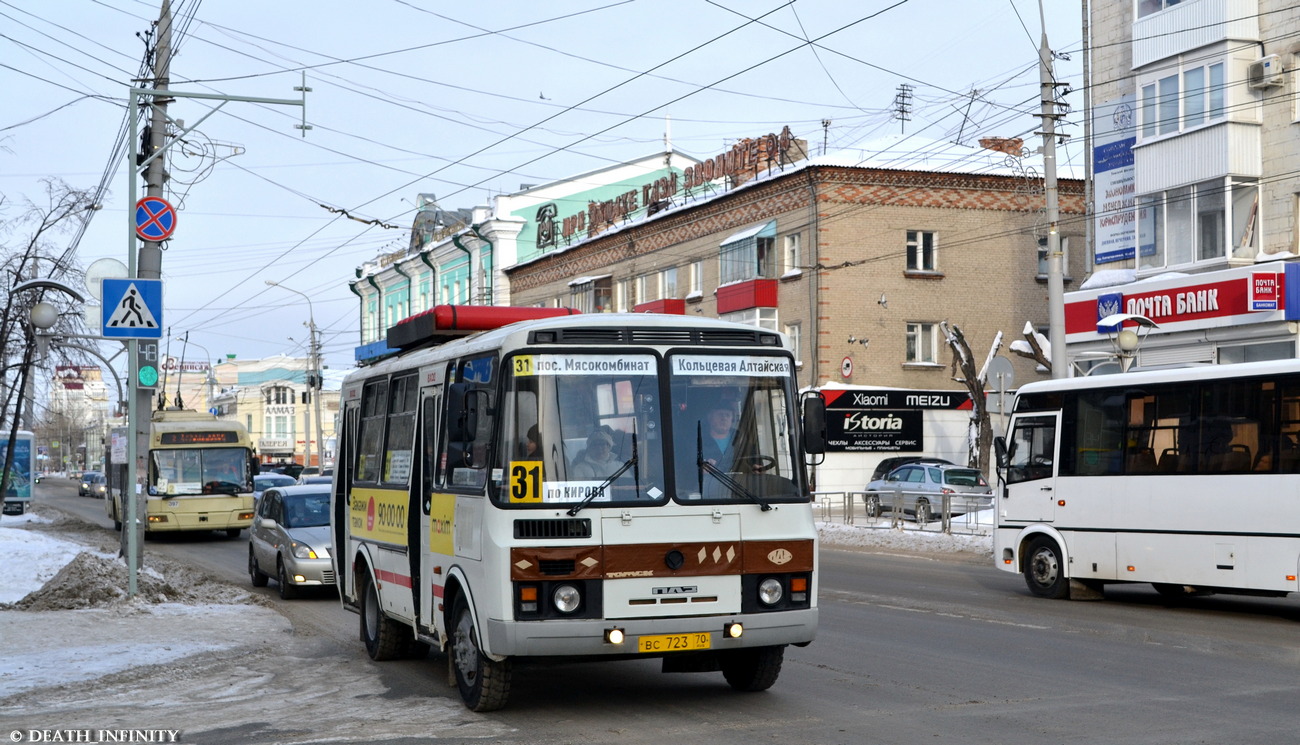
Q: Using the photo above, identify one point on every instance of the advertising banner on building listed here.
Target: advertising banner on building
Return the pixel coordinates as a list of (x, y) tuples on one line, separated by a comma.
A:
[(880, 420), (1114, 179)]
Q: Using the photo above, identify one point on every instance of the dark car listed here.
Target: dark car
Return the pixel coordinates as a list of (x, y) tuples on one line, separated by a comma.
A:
[(889, 464), (92, 484)]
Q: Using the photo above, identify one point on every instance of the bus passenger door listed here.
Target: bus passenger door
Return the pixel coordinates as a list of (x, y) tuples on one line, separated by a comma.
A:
[(1029, 490), (429, 592)]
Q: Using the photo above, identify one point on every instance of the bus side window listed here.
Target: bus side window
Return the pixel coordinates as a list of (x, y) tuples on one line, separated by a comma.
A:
[(1032, 450)]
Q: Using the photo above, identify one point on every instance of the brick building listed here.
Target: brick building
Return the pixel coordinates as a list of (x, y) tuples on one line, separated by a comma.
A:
[(857, 264)]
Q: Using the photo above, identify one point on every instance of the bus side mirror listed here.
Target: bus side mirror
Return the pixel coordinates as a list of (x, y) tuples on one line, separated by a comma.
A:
[(254, 467), (1000, 450), (814, 423), (462, 412)]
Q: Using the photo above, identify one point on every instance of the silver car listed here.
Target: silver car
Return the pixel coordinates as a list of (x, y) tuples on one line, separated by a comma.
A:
[(921, 487), (290, 539)]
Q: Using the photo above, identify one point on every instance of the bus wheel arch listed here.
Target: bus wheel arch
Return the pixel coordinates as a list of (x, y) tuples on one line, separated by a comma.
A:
[(1044, 565)]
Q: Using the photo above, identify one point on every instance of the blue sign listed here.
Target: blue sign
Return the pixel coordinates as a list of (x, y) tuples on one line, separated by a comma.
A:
[(155, 219), (132, 309)]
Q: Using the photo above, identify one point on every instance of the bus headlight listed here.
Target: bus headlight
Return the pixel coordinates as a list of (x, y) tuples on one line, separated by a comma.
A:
[(566, 598), (770, 591)]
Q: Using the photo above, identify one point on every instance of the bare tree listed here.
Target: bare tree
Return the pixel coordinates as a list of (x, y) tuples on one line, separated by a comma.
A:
[(980, 433), (1036, 350)]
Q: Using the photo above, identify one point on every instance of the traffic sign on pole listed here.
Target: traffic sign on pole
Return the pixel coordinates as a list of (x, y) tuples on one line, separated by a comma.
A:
[(132, 309), (155, 219)]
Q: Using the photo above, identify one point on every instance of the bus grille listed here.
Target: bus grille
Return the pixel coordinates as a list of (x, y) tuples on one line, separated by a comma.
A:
[(574, 528), (684, 336)]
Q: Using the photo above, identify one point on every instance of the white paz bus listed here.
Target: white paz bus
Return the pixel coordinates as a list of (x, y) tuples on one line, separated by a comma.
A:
[(563, 488), (1185, 479)]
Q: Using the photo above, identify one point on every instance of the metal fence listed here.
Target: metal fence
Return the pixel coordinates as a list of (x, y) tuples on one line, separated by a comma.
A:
[(849, 507)]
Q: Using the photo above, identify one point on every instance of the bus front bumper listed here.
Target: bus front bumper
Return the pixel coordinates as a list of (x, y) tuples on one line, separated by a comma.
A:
[(585, 637)]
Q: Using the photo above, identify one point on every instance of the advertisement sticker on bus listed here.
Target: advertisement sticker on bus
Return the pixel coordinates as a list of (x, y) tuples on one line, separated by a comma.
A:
[(379, 514), (739, 364), (442, 519), (526, 365)]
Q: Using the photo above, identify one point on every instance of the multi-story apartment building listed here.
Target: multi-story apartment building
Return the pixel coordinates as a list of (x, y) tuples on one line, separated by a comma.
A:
[(272, 398), (1195, 123)]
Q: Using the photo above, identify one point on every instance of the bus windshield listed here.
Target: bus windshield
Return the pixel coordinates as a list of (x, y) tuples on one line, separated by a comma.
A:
[(199, 471), (582, 427), (732, 435)]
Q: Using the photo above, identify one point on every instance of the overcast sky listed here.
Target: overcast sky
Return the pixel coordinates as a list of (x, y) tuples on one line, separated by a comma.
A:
[(465, 100)]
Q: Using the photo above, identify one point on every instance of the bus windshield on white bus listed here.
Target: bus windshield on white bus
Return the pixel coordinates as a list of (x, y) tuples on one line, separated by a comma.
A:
[(1182, 478), (578, 487)]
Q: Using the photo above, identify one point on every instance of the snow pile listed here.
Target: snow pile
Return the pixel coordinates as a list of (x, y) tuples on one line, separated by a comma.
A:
[(46, 572)]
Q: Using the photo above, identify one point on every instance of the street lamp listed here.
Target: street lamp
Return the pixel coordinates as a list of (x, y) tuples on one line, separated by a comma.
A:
[(1125, 342), (313, 374)]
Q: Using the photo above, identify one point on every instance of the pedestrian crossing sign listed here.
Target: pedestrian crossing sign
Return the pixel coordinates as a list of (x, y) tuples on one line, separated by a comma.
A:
[(132, 309)]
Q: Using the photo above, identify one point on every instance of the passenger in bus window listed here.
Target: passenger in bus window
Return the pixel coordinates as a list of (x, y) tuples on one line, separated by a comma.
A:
[(531, 447), (597, 462)]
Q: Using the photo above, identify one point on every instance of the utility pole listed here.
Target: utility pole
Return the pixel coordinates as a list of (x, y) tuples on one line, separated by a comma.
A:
[(1055, 260), (146, 263)]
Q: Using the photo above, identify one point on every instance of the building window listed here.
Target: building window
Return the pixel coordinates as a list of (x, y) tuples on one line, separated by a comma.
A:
[(668, 283), (1042, 256), (923, 343), (1198, 224), (592, 296), (920, 251), (1170, 106), (1147, 7), (795, 332), (623, 296), (790, 256), (696, 279), (764, 318), (748, 255), (643, 285)]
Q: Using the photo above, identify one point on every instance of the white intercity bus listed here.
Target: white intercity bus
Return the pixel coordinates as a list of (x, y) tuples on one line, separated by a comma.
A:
[(540, 489), (1184, 478)]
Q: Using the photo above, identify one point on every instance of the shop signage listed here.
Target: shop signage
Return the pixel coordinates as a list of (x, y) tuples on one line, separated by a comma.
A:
[(748, 155), (883, 420), (274, 444), (1264, 291)]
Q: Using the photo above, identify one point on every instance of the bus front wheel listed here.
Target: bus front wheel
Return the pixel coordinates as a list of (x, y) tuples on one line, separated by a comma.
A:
[(484, 683), (1045, 569), (752, 669)]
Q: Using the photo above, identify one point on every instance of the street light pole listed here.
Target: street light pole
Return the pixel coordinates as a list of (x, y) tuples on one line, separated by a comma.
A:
[(313, 375)]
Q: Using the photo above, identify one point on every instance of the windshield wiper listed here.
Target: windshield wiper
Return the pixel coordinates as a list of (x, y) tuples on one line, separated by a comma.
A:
[(721, 475), (629, 463)]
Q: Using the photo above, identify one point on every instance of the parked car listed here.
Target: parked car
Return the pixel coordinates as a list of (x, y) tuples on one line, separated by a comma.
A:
[(315, 478), (921, 487), (264, 481), (92, 484), (888, 464), (290, 539)]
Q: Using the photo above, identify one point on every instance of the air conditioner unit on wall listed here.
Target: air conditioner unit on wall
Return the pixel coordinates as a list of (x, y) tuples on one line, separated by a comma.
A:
[(1264, 72)]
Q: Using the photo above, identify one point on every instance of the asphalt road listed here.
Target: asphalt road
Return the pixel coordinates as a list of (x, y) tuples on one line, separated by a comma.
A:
[(910, 649)]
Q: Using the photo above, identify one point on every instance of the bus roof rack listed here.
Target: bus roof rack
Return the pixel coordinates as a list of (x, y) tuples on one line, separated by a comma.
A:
[(442, 323)]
